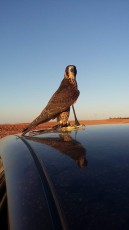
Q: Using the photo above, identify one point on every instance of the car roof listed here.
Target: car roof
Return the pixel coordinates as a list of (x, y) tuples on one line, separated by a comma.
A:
[(87, 172)]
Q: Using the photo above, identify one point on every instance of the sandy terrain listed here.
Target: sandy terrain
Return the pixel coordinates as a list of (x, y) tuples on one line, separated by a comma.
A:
[(8, 129)]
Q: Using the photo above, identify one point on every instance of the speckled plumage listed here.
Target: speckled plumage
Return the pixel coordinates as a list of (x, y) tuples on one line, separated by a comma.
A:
[(59, 104)]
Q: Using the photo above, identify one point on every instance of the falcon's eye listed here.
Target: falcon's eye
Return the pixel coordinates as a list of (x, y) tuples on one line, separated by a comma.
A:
[(72, 70)]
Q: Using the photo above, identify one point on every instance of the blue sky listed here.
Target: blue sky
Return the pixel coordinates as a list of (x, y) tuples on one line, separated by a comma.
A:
[(39, 38)]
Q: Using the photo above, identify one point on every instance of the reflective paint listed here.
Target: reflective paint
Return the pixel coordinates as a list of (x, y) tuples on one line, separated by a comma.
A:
[(87, 171)]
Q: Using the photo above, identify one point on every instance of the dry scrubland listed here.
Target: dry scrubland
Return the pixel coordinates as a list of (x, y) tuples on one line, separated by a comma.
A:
[(8, 129)]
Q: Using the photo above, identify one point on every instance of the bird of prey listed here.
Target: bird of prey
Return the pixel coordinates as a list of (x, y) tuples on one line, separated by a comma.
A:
[(59, 104)]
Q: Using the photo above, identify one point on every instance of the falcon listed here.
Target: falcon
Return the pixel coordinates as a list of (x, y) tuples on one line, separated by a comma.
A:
[(59, 104)]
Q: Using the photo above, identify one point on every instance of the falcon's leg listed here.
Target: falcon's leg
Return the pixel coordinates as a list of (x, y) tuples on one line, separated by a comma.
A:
[(63, 117)]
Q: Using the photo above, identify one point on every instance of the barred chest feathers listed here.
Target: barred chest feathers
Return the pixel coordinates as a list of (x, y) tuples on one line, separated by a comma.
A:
[(73, 82)]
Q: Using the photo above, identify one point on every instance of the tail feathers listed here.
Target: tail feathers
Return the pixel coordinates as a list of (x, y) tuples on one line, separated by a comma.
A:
[(24, 129), (40, 119), (45, 116)]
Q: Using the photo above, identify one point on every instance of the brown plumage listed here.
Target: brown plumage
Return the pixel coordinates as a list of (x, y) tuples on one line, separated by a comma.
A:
[(59, 104)]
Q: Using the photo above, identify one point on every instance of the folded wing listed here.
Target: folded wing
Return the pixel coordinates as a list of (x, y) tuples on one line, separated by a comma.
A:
[(61, 100)]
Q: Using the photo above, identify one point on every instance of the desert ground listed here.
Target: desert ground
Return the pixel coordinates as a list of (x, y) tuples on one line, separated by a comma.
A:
[(9, 129)]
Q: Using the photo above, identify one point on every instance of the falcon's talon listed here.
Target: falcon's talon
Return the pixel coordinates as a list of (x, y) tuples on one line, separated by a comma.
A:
[(59, 126)]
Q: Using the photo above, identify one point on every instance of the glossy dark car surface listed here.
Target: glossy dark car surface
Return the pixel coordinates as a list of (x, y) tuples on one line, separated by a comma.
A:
[(70, 180)]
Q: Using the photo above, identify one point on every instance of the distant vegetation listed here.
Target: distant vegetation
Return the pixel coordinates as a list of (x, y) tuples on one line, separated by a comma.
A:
[(118, 117)]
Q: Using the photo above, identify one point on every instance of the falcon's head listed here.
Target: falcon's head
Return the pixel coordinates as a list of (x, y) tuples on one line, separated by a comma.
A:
[(70, 72)]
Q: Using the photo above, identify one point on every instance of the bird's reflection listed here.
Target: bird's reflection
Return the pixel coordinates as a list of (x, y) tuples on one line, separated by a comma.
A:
[(66, 145)]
